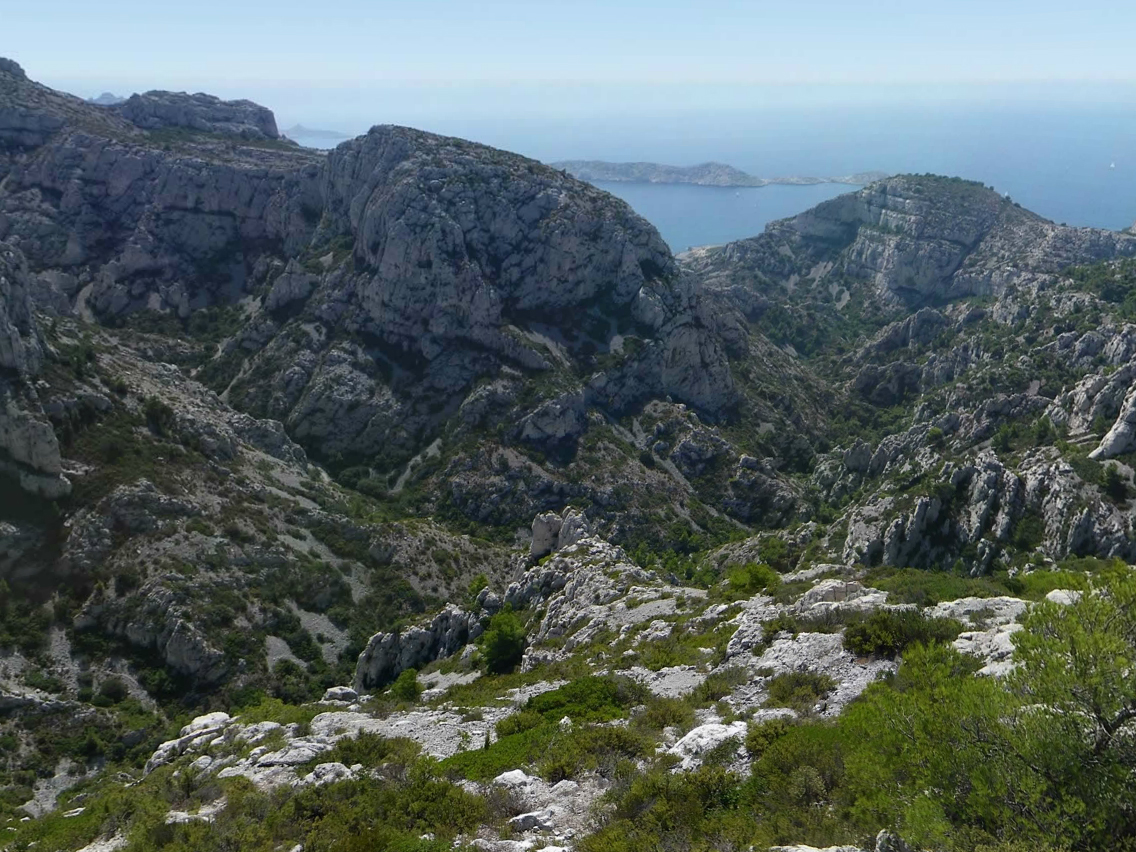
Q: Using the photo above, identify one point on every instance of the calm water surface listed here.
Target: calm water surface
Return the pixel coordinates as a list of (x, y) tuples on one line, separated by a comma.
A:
[(689, 216)]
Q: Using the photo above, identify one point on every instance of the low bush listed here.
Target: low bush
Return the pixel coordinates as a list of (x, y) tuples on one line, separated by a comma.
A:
[(798, 690), (406, 686), (514, 751), (589, 699), (887, 633), (503, 644), (927, 588), (751, 579), (761, 735), (524, 720), (592, 748), (718, 685), (370, 750), (665, 712)]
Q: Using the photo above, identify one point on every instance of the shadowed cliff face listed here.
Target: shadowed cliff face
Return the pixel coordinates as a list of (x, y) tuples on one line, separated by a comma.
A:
[(438, 265)]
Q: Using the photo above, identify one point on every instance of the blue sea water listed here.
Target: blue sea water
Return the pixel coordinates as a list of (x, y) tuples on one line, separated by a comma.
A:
[(1069, 162), (689, 216), (1069, 156)]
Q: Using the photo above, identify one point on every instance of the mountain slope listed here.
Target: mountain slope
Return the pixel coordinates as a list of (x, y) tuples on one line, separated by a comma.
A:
[(657, 536), (912, 240)]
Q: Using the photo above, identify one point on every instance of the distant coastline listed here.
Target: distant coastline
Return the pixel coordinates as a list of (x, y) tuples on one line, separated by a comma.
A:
[(704, 174)]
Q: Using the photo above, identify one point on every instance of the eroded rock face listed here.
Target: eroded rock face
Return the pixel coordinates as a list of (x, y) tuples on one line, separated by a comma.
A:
[(154, 110), (29, 449), (157, 621), (552, 532), (20, 347), (403, 283), (918, 240), (389, 654), (1121, 438)]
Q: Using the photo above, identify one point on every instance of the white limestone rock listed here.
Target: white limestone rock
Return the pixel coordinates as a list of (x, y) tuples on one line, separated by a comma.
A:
[(704, 738)]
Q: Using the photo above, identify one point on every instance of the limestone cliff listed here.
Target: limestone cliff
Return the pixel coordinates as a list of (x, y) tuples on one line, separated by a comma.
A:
[(910, 240)]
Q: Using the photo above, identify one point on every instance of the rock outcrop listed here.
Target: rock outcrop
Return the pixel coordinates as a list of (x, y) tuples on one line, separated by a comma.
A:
[(387, 655), (206, 113), (1121, 438), (29, 449)]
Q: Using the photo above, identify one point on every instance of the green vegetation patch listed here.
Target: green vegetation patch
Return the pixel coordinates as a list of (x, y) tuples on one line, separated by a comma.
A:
[(799, 691), (888, 632)]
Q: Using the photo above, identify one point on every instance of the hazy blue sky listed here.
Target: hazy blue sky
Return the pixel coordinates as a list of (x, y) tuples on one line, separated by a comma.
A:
[(204, 42), (598, 77), (1035, 96)]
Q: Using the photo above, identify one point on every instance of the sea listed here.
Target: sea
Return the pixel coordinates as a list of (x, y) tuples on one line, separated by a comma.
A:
[(690, 216), (1071, 162)]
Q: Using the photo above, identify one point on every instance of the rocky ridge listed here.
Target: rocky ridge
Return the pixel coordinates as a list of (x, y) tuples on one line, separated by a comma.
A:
[(911, 240)]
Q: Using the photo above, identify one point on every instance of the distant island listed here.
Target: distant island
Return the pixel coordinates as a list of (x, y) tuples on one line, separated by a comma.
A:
[(314, 133), (107, 99), (704, 174)]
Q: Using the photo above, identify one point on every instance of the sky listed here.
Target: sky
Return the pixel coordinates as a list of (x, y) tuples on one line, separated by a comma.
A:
[(1036, 96), (578, 78), (129, 43)]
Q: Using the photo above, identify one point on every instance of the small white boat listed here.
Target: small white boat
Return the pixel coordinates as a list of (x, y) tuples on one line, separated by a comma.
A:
[(1112, 165)]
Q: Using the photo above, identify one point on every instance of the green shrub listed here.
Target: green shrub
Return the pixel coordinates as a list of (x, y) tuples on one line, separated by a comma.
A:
[(761, 735), (112, 691), (1114, 485), (798, 690), (406, 686), (370, 750), (503, 643), (720, 684), (890, 632), (274, 710), (775, 552), (39, 679), (927, 588), (664, 653), (596, 748), (159, 416), (524, 720), (665, 712), (589, 699), (801, 772), (515, 751), (752, 578), (1037, 584), (479, 582), (291, 684)]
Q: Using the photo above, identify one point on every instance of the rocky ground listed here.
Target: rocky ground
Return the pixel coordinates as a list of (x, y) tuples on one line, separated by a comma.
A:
[(606, 615)]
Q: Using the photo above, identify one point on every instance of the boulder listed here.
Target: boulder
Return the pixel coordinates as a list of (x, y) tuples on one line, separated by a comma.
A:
[(704, 738)]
